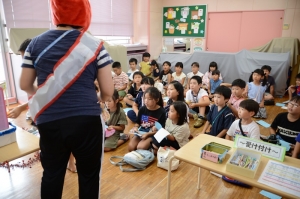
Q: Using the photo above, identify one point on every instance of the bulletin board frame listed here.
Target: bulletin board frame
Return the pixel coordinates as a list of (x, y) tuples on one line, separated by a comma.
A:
[(185, 21)]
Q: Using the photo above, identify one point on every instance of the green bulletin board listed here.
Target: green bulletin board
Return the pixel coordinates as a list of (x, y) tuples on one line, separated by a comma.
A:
[(184, 21)]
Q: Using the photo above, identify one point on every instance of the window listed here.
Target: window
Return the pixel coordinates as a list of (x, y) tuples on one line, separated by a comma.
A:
[(109, 17)]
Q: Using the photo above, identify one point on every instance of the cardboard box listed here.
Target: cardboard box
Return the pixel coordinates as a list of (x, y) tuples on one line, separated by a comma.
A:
[(214, 152), (8, 136), (241, 170)]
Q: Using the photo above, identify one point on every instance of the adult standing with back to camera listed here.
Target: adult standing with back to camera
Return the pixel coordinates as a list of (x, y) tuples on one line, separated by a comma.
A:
[(66, 61)]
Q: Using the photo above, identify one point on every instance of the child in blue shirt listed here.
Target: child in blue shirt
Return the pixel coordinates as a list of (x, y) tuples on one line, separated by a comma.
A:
[(214, 82), (220, 116), (138, 103), (296, 153)]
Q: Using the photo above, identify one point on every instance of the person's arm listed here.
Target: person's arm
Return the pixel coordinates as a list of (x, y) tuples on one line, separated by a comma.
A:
[(15, 112), (222, 133), (205, 127), (123, 87), (169, 78), (272, 90), (105, 81), (245, 93), (135, 108), (188, 83), (228, 137), (208, 88), (27, 79), (121, 127), (182, 81), (262, 103), (296, 151), (272, 131), (234, 111), (203, 101)]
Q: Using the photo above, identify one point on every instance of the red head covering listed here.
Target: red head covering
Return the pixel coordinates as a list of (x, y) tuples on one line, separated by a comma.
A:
[(71, 12)]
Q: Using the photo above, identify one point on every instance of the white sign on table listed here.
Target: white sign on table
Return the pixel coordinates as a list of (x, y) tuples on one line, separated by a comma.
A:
[(267, 149)]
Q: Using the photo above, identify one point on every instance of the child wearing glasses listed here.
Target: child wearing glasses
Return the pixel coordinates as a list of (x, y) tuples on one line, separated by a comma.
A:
[(286, 125)]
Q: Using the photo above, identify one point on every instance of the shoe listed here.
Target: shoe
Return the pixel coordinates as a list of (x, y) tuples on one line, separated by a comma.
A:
[(198, 123), (195, 116)]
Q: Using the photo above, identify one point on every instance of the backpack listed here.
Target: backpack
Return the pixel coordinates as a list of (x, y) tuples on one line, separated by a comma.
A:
[(139, 159)]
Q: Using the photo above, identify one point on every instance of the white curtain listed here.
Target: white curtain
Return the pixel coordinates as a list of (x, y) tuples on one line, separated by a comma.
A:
[(109, 17)]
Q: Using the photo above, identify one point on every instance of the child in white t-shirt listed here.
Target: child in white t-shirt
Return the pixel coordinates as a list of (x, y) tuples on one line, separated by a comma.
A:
[(195, 72), (245, 126), (178, 75), (132, 65), (198, 101)]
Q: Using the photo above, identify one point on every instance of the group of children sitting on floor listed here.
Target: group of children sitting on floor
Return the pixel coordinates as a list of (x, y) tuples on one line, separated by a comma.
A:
[(229, 114)]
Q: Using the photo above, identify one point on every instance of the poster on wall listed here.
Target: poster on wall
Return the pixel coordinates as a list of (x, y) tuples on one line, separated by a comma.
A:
[(185, 21)]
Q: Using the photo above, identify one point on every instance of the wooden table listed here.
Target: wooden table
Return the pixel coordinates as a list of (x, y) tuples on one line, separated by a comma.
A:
[(26, 143), (190, 153)]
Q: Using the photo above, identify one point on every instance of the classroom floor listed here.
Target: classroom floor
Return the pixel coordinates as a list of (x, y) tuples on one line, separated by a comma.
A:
[(147, 184)]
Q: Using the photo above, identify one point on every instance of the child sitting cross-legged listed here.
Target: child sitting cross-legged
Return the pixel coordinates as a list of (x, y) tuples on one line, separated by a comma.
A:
[(286, 125), (237, 89), (220, 117), (177, 126), (198, 101), (245, 126), (133, 69), (148, 114), (116, 123), (134, 89), (120, 80), (139, 102), (213, 83)]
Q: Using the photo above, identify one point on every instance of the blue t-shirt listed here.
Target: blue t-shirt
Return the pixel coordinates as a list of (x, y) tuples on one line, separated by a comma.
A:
[(220, 121), (214, 85), (298, 138), (139, 99), (80, 98), (256, 92)]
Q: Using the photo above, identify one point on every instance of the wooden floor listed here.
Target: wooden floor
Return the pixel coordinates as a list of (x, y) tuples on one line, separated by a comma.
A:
[(150, 183)]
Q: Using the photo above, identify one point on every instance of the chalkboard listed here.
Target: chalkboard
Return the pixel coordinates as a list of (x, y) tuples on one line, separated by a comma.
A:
[(184, 21)]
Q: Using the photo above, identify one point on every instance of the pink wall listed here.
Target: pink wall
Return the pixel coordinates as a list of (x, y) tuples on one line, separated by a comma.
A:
[(291, 14)]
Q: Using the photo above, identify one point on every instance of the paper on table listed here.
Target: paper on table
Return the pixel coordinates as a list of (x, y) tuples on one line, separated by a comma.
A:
[(263, 123), (282, 177), (269, 195), (161, 134)]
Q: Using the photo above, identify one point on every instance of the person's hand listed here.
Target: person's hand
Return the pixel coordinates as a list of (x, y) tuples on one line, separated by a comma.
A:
[(154, 129), (292, 146), (192, 105), (291, 86), (14, 113), (145, 136), (134, 129), (110, 128), (129, 96), (245, 94), (229, 104), (261, 105)]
